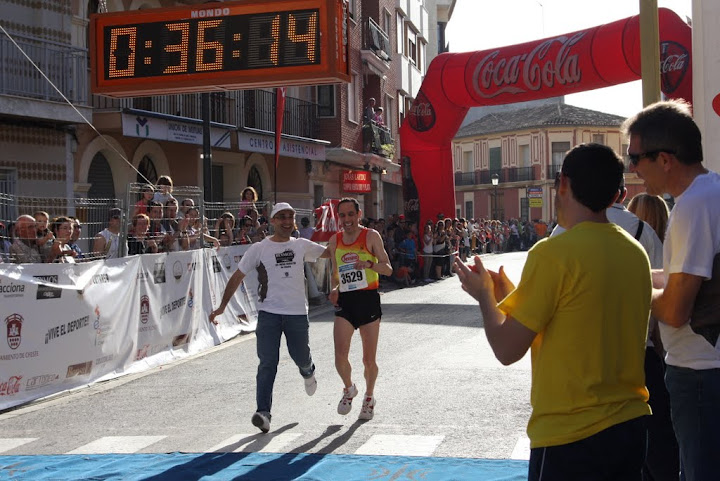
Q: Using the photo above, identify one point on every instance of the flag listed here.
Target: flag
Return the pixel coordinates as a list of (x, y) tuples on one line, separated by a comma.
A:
[(279, 108)]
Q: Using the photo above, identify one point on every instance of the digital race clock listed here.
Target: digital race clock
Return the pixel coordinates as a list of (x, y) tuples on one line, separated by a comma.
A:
[(219, 46)]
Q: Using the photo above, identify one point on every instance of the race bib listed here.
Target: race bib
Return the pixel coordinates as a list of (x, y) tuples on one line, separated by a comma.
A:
[(351, 279)]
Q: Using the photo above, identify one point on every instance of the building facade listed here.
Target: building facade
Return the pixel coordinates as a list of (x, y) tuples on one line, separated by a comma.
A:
[(98, 145), (523, 149)]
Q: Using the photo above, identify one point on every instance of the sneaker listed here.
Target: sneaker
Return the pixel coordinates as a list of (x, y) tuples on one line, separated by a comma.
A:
[(261, 421), (345, 404), (310, 385), (428, 280), (368, 408)]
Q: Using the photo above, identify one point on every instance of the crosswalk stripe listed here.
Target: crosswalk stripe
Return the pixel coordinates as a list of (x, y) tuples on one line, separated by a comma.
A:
[(117, 444), (6, 444), (522, 449), (400, 445), (256, 443)]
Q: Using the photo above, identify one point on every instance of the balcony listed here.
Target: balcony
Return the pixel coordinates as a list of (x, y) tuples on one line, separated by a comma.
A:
[(252, 109), (376, 51), (378, 140), (479, 177), (25, 92)]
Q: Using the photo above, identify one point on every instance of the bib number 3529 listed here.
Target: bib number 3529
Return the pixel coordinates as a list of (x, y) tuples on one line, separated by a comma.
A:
[(351, 279)]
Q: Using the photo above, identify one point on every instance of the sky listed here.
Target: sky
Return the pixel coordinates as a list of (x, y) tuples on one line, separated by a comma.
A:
[(484, 24)]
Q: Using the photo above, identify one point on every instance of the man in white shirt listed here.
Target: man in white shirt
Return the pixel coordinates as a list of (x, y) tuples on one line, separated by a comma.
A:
[(282, 304), (665, 150)]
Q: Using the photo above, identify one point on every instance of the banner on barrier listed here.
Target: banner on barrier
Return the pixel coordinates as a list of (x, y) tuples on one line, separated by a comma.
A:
[(67, 325)]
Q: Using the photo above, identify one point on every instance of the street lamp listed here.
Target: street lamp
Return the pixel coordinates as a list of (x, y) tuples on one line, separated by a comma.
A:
[(495, 179)]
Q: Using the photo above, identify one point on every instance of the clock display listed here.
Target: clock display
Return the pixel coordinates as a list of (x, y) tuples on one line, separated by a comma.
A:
[(231, 45)]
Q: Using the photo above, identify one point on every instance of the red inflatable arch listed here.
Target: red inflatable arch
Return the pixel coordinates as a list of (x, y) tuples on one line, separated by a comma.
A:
[(584, 60)]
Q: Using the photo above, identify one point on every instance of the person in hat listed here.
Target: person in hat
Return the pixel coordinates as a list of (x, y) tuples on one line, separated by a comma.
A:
[(282, 304), (107, 241)]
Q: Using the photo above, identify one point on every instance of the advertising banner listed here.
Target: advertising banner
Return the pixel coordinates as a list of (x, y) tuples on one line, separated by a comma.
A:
[(67, 325)]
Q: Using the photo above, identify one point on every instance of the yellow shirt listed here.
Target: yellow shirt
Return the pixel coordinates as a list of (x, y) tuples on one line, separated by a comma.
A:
[(587, 294), (346, 255)]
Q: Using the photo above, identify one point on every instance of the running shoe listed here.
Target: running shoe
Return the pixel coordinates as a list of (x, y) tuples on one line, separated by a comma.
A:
[(368, 408), (261, 421), (345, 404), (310, 385)]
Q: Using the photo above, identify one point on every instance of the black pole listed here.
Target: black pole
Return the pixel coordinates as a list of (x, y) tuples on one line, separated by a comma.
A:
[(207, 151)]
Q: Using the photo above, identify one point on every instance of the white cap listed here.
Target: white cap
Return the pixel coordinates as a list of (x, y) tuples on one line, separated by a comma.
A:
[(281, 206)]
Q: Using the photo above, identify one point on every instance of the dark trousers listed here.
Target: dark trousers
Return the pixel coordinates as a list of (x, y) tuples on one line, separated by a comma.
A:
[(614, 454), (663, 458)]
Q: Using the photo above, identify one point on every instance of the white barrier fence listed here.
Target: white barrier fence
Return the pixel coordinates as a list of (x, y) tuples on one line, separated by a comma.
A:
[(68, 325)]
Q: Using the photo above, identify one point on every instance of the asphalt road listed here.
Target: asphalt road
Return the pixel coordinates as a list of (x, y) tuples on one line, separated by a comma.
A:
[(440, 393)]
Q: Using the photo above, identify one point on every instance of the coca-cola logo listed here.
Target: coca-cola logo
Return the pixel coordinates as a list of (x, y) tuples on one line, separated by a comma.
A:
[(495, 75), (422, 114), (674, 60), (11, 386)]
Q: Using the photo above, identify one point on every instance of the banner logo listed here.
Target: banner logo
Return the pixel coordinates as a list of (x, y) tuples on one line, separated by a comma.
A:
[(144, 309), (177, 270), (674, 60), (14, 330), (81, 369), (45, 291), (422, 114), (529, 72), (11, 386), (216, 265), (159, 272)]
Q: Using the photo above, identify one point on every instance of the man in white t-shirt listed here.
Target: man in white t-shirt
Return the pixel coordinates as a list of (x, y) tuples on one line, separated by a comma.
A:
[(665, 150), (282, 304)]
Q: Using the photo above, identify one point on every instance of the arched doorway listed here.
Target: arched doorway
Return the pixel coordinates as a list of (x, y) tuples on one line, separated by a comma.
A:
[(255, 181), (100, 178), (147, 169)]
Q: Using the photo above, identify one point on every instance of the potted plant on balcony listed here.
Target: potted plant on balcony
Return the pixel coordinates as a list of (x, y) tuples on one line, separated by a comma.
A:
[(388, 150)]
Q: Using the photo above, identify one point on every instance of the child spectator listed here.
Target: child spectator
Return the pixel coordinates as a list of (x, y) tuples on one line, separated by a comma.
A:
[(165, 187)]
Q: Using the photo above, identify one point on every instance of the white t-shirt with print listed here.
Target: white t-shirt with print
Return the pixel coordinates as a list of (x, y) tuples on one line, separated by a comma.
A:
[(691, 243), (281, 273)]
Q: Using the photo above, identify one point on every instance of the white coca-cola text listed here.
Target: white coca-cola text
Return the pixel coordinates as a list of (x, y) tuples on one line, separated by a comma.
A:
[(673, 63), (421, 109), (528, 71)]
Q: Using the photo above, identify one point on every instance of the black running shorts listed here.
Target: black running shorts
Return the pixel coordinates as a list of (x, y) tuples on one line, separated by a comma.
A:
[(359, 307)]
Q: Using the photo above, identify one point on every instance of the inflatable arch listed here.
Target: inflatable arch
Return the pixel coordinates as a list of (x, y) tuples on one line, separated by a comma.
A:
[(584, 60)]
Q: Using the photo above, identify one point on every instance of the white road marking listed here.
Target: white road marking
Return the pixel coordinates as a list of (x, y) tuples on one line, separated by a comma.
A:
[(522, 449), (117, 444), (267, 443), (400, 445), (6, 444)]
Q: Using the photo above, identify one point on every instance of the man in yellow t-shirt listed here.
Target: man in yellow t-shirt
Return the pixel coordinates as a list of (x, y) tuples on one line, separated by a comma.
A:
[(582, 306)]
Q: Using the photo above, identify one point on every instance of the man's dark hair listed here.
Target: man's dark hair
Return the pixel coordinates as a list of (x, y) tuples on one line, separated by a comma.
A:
[(667, 127), (354, 202), (305, 221), (595, 172)]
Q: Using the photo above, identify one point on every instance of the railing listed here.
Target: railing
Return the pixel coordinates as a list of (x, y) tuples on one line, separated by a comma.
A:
[(64, 65), (519, 174), (465, 178), (553, 169), (378, 41), (378, 139), (486, 176), (243, 108)]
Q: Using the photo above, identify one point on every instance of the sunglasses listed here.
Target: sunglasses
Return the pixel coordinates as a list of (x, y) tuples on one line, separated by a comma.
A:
[(635, 158)]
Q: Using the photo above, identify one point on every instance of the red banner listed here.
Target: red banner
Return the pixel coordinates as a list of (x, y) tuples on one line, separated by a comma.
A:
[(356, 181)]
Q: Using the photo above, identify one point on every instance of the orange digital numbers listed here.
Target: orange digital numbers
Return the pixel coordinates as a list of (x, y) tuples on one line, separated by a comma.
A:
[(229, 45)]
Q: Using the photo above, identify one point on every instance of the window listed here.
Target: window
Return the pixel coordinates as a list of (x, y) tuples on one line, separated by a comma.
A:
[(598, 138), (469, 210), (351, 9), (389, 113), (412, 53), (468, 165), (495, 154), (524, 151), (387, 22), (353, 94), (559, 149), (326, 100), (148, 171), (400, 33)]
